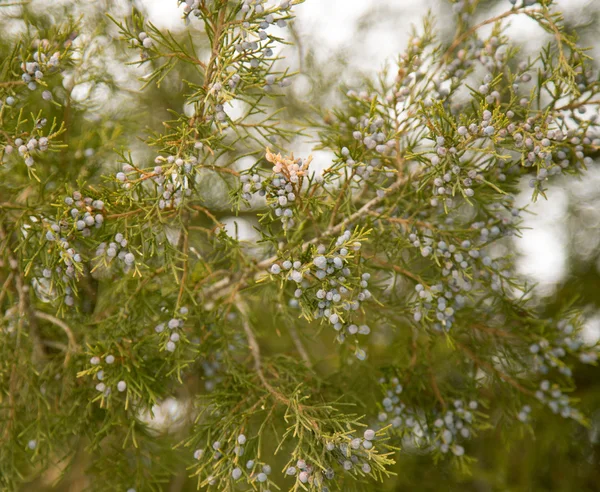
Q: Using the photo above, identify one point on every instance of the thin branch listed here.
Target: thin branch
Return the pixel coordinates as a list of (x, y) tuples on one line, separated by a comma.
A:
[(434, 385), (5, 286), (467, 34), (299, 345), (255, 351), (73, 347), (185, 251), (502, 375), (331, 231)]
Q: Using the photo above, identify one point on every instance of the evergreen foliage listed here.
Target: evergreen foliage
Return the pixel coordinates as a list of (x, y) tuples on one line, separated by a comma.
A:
[(376, 312)]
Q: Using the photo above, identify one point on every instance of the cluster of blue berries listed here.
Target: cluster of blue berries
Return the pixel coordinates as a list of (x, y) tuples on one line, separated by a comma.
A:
[(33, 71), (463, 265), (254, 472), (254, 47), (330, 289), (100, 375), (27, 149), (47, 286), (68, 255), (524, 414), (548, 354), (372, 139), (557, 401), (170, 331), (117, 249), (284, 187), (171, 174), (351, 453), (442, 301), (252, 184), (444, 431), (85, 213), (144, 40)]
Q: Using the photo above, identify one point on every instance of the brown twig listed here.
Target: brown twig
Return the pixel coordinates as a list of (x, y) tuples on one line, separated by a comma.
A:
[(502, 375), (331, 231), (434, 385), (399, 270), (255, 351), (299, 345), (72, 347), (185, 251), (456, 43), (338, 202)]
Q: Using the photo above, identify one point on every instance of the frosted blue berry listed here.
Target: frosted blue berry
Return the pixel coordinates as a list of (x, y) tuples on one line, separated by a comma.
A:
[(320, 262), (121, 386), (369, 434), (275, 269), (262, 477), (236, 473)]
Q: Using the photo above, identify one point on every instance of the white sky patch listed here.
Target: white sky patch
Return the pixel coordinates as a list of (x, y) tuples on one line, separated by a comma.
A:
[(164, 14), (591, 330), (544, 257), (240, 229), (167, 415)]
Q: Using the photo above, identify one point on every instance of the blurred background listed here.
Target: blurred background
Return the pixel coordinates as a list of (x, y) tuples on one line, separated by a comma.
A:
[(344, 41)]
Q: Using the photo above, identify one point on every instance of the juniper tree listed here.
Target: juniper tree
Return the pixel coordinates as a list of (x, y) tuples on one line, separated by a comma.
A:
[(376, 313)]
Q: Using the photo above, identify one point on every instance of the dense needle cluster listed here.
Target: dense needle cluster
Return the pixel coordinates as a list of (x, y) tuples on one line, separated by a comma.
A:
[(135, 325)]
